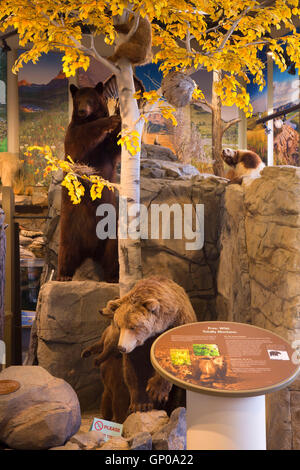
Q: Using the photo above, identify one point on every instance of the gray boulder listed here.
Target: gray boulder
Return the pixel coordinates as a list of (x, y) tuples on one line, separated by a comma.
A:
[(141, 441), (158, 152), (67, 322), (173, 435), (44, 412), (153, 168), (88, 440), (115, 443), (150, 422)]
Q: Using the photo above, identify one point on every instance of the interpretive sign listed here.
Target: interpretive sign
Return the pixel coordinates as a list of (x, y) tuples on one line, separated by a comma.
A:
[(224, 358)]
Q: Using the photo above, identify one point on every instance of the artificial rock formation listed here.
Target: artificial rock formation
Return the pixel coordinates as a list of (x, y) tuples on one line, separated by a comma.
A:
[(157, 152), (67, 322), (195, 270), (151, 422), (141, 431), (32, 244), (154, 168), (247, 270), (259, 276), (67, 315), (172, 436), (44, 412)]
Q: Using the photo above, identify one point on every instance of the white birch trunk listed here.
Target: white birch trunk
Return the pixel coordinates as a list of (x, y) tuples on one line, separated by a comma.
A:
[(217, 133), (129, 193)]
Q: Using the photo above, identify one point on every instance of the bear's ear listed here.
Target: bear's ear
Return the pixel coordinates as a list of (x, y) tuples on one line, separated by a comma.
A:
[(152, 305), (99, 88), (73, 89), (111, 307)]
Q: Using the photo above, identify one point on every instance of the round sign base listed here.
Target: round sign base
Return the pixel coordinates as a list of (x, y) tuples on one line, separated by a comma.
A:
[(225, 423), (9, 386)]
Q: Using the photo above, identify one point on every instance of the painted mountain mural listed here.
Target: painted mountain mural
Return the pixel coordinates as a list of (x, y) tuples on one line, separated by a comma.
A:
[(286, 133), (43, 111)]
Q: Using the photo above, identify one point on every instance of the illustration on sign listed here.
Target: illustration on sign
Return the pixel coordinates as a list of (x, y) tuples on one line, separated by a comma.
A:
[(279, 355), (206, 350), (180, 356)]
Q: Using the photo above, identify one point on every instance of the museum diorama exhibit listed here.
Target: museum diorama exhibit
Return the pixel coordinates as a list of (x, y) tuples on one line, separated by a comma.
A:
[(149, 225)]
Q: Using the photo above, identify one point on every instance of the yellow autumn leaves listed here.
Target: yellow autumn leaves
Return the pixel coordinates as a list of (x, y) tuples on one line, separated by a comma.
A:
[(74, 176), (130, 138), (75, 188), (131, 141), (225, 35)]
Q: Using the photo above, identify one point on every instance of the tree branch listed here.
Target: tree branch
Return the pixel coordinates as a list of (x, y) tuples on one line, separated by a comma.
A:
[(203, 101), (233, 27), (89, 52), (92, 51), (229, 124), (188, 38), (134, 27)]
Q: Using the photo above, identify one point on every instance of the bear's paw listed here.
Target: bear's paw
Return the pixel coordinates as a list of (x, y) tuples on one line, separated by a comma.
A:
[(142, 407), (158, 389)]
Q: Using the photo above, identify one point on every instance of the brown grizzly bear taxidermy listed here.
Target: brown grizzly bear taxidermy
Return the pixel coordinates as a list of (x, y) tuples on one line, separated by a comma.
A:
[(115, 398), (91, 139), (153, 306), (137, 49), (245, 165)]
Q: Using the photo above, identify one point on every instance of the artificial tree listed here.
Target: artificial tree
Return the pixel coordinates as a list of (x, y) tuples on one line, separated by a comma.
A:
[(222, 36)]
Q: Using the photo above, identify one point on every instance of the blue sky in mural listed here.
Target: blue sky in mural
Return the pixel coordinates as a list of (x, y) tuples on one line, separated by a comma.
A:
[(286, 88), (150, 76), (47, 68), (258, 98)]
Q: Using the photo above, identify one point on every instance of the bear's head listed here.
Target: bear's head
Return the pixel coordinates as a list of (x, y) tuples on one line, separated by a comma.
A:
[(137, 320), (88, 103), (230, 156)]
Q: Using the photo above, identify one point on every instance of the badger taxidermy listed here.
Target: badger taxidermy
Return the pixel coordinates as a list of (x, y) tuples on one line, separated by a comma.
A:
[(245, 165)]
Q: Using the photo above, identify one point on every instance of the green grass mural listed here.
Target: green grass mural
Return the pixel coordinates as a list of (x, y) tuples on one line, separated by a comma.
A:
[(43, 114)]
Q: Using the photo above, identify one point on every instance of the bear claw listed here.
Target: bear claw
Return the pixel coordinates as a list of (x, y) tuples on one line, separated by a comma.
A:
[(64, 278), (85, 354), (115, 122), (134, 408)]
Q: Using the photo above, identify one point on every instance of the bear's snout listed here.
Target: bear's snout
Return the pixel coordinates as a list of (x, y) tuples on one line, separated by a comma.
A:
[(82, 112), (228, 152), (127, 341)]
